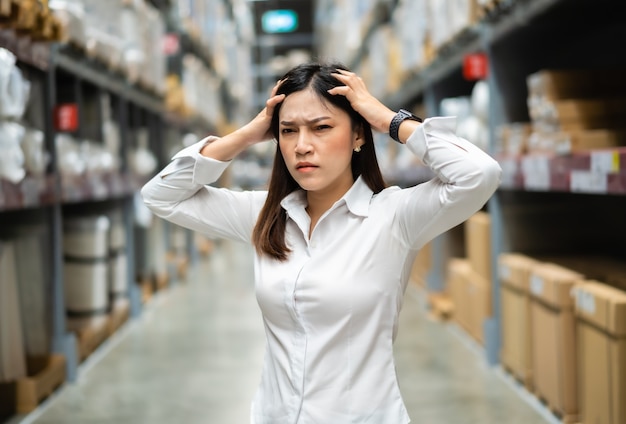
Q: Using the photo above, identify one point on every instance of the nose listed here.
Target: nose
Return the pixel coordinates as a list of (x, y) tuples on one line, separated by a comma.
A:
[(302, 144)]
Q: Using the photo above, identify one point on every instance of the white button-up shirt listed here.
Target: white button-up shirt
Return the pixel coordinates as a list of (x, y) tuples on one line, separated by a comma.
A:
[(331, 310)]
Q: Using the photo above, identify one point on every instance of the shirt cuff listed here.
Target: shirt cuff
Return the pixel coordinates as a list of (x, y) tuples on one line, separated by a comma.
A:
[(441, 127), (205, 170)]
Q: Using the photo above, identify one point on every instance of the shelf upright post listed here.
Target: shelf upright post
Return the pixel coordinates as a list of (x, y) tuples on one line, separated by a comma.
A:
[(63, 342), (80, 105), (492, 326), (134, 294)]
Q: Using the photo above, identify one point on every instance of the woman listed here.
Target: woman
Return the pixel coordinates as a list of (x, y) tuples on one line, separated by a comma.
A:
[(334, 247)]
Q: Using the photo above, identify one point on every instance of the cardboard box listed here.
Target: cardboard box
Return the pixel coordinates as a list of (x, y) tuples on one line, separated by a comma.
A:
[(471, 295), (554, 337), (479, 299), (564, 142), (601, 329), (478, 243), (516, 354), (583, 109), (514, 270), (456, 285), (576, 83)]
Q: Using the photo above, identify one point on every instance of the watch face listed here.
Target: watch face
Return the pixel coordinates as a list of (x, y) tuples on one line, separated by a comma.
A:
[(409, 115)]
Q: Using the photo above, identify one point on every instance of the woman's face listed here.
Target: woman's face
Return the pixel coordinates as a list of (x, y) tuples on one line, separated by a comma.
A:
[(316, 140)]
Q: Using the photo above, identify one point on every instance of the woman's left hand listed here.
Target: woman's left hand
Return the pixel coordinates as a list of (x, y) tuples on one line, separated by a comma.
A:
[(369, 107)]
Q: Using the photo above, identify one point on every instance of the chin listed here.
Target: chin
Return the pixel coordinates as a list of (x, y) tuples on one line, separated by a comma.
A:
[(309, 185)]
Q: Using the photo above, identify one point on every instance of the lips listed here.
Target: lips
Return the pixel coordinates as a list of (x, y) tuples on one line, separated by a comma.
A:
[(305, 166)]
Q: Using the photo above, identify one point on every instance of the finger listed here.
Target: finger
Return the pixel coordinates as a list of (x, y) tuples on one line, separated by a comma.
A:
[(340, 76), (274, 100), (351, 79), (276, 87), (271, 103), (341, 90)]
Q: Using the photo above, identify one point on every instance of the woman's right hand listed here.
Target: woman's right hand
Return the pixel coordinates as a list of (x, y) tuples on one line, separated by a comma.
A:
[(255, 131), (259, 129)]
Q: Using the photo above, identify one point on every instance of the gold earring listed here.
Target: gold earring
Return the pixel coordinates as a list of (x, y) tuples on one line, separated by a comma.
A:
[(357, 149)]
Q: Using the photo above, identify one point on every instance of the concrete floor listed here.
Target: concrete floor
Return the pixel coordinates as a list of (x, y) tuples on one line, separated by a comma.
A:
[(194, 356)]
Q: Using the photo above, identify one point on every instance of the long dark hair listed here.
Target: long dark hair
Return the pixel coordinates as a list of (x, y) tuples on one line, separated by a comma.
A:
[(268, 236)]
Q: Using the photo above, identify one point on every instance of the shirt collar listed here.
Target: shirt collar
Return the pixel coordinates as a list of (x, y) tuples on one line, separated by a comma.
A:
[(357, 199)]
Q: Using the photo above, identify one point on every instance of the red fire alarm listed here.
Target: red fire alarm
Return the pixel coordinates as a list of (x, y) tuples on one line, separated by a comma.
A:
[(66, 117), (475, 66)]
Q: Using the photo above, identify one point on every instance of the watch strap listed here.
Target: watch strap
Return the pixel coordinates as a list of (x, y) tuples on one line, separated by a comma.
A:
[(400, 117)]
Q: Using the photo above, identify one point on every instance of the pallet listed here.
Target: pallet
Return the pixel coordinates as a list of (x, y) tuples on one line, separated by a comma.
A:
[(160, 281), (22, 396), (441, 306), (118, 316), (564, 418), (146, 286), (524, 380), (180, 262), (90, 337)]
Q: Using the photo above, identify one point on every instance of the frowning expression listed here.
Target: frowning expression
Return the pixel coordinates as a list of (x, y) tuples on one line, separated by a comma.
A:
[(317, 140)]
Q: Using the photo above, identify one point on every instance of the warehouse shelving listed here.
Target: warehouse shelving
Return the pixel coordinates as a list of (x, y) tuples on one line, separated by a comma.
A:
[(62, 73), (563, 206), (519, 38)]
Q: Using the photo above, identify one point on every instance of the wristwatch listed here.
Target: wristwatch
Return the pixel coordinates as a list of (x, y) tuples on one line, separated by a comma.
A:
[(402, 115)]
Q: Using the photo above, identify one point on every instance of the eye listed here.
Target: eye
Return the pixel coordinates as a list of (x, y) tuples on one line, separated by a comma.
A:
[(322, 127), (286, 131)]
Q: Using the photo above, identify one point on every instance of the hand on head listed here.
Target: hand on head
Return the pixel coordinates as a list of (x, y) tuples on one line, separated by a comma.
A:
[(259, 129), (369, 107)]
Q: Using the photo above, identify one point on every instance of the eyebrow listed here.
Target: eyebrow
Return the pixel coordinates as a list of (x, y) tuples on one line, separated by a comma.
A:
[(309, 122)]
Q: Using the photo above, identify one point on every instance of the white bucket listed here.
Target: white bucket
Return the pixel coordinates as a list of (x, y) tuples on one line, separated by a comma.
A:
[(86, 251), (118, 261)]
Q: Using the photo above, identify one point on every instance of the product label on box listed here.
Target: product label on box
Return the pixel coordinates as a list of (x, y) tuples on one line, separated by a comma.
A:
[(585, 302), (536, 170), (505, 272), (605, 162), (536, 285), (588, 182), (563, 147)]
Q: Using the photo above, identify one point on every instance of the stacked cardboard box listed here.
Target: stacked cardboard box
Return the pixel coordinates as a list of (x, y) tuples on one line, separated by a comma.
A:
[(553, 337), (458, 270), (576, 110), (516, 354), (601, 329), (469, 279), (564, 332)]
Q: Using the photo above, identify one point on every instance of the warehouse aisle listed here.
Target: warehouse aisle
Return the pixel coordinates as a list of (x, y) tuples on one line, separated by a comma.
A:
[(194, 356)]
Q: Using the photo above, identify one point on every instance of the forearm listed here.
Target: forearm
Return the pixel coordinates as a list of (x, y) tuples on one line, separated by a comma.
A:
[(182, 178), (226, 148)]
